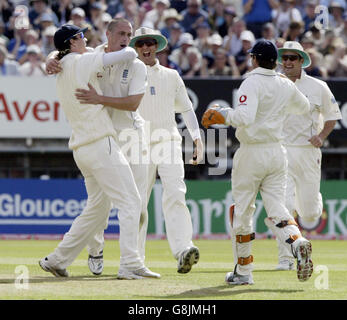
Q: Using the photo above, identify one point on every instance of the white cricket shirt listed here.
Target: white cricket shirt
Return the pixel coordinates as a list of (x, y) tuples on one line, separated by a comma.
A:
[(119, 81), (88, 122), (298, 130), (264, 98), (165, 95)]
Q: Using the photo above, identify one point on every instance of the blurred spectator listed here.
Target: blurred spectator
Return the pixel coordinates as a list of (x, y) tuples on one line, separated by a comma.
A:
[(203, 33), (280, 42), (193, 16), (176, 31), (294, 32), (154, 19), (194, 59), (87, 6), (46, 20), (6, 9), (131, 13), (78, 17), (96, 11), (269, 32), (310, 15), (221, 67), (342, 31), (336, 62), (170, 17), (3, 39), (308, 43), (47, 45), (229, 15), (242, 58), (38, 8), (336, 10), (215, 42), (34, 62), (257, 13), (17, 45), (285, 15), (148, 5), (216, 18), (7, 66), (232, 42), (179, 5), (179, 55), (163, 57), (318, 35), (63, 9), (115, 6), (315, 69)]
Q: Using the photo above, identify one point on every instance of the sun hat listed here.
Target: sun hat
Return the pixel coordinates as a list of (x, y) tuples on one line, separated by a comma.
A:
[(144, 32), (296, 47)]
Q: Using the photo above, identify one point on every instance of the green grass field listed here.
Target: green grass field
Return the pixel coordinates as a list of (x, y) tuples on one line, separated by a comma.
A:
[(205, 281)]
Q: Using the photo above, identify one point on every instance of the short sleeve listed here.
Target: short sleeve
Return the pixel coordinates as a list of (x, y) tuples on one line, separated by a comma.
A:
[(330, 108)]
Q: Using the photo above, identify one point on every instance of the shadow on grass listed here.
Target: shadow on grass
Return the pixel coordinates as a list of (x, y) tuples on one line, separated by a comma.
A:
[(48, 279), (222, 291)]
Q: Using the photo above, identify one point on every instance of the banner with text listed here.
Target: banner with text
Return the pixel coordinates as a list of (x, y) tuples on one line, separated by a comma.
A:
[(48, 207), (29, 107)]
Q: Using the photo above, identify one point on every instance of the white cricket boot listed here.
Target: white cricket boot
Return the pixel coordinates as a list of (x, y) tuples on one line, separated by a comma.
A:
[(187, 259), (137, 274)]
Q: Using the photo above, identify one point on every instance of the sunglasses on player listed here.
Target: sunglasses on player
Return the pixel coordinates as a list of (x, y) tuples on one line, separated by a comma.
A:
[(291, 57), (76, 36), (147, 42)]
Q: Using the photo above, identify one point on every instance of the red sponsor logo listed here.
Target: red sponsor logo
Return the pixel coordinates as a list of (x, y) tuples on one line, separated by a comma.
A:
[(40, 110), (243, 98)]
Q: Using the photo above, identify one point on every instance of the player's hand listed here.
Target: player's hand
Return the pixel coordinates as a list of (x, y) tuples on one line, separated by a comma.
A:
[(198, 154), (87, 96), (316, 141), (214, 115), (53, 66)]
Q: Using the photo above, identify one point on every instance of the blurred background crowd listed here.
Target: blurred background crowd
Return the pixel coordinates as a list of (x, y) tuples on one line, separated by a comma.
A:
[(206, 37)]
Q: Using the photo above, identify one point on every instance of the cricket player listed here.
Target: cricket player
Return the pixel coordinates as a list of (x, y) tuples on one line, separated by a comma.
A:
[(165, 95), (107, 173), (125, 84), (303, 137), (260, 164)]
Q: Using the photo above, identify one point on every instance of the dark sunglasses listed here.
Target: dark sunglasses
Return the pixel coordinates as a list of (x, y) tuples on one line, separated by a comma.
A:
[(291, 57), (76, 36), (147, 42)]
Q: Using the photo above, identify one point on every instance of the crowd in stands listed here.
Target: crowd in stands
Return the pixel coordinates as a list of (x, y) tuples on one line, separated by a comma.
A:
[(206, 37)]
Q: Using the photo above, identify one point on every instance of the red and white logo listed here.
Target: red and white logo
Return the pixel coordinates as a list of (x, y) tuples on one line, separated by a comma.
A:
[(243, 98)]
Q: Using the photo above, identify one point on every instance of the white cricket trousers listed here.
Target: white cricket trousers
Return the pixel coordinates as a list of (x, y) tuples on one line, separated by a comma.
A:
[(258, 168), (303, 188), (166, 158), (134, 147), (107, 177)]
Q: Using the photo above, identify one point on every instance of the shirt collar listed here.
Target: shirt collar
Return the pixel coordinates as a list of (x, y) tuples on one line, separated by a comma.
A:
[(302, 76), (262, 71), (156, 66)]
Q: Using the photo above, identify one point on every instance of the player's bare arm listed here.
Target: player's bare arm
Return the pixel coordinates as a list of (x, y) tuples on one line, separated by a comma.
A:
[(90, 96), (318, 140)]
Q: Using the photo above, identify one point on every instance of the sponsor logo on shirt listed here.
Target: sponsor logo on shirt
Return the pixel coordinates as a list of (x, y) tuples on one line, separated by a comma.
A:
[(152, 89), (99, 75), (242, 100)]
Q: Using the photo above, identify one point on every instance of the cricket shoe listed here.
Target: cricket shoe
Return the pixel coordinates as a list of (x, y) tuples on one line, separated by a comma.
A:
[(141, 273), (96, 264), (46, 266), (302, 251), (285, 265), (187, 258), (233, 278)]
